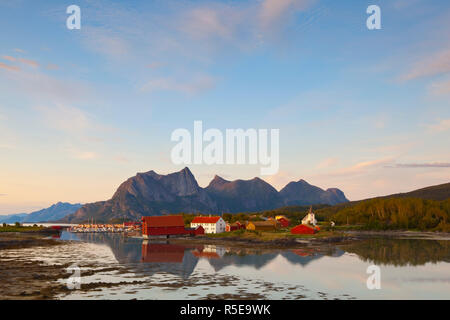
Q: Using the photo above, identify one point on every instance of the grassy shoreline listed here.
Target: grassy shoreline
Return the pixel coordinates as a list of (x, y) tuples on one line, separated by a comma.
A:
[(283, 239), (10, 228), (13, 237)]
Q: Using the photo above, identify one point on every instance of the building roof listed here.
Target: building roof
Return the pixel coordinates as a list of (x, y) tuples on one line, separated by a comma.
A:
[(164, 221), (303, 227), (206, 219)]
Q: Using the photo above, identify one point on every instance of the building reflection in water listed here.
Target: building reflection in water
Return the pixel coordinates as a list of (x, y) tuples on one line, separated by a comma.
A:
[(150, 257)]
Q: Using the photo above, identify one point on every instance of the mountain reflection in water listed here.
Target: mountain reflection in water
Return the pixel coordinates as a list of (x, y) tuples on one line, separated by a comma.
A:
[(181, 259), (404, 252), (410, 269)]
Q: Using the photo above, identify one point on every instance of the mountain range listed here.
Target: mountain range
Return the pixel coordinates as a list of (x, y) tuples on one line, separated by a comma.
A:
[(149, 193), (52, 213)]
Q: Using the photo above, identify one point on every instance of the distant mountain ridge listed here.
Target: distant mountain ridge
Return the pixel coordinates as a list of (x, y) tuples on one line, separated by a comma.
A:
[(438, 192), (302, 193), (149, 193), (53, 213), (243, 195)]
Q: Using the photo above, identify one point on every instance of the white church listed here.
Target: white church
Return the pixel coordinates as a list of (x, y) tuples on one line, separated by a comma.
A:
[(310, 218)]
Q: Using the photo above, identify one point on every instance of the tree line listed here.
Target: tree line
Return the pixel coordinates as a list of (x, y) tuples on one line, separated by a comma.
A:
[(394, 213)]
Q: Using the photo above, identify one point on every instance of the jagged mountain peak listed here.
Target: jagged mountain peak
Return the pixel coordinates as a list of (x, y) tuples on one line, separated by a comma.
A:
[(303, 193), (216, 181), (151, 193)]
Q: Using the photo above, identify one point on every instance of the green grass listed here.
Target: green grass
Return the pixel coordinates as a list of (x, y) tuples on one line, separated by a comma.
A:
[(20, 229)]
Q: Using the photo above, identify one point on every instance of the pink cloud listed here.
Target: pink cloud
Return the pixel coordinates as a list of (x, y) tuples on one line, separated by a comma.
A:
[(273, 11), (31, 63), (9, 58), (436, 64), (8, 67), (208, 22)]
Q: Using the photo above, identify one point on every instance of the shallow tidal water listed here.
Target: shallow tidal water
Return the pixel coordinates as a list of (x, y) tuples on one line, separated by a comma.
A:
[(410, 269)]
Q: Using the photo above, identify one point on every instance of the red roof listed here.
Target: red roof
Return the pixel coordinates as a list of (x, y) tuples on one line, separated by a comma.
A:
[(303, 229), (206, 219), (164, 221), (284, 222)]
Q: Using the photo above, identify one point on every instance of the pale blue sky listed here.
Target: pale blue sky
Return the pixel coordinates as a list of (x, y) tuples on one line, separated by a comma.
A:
[(82, 110)]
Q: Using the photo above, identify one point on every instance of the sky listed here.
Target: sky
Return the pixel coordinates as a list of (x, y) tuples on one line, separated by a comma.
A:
[(366, 111)]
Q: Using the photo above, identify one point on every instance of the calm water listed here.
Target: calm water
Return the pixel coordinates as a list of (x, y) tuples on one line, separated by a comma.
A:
[(410, 269)]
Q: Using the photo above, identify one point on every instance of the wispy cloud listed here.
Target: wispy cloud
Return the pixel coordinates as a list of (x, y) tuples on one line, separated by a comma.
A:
[(275, 11), (187, 29), (28, 62), (9, 58), (362, 167), (8, 67), (435, 64), (206, 23), (420, 165)]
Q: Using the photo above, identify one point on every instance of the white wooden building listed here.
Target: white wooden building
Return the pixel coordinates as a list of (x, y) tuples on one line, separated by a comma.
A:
[(310, 218), (211, 224)]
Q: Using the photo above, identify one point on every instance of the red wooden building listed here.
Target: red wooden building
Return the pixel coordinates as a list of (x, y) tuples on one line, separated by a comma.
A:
[(167, 226), (162, 226), (284, 222), (303, 229), (234, 226), (195, 231)]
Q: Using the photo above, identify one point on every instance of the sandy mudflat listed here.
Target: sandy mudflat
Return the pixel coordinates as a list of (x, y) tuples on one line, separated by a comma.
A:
[(22, 278)]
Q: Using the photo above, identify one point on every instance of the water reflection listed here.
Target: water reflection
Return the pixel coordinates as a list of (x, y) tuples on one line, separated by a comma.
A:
[(401, 252), (182, 259), (149, 257), (184, 271)]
